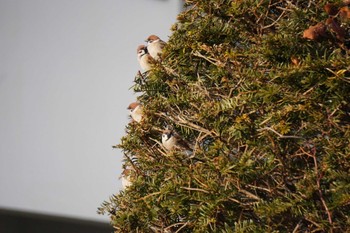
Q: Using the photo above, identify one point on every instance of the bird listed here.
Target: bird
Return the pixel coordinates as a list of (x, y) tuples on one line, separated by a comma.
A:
[(155, 46), (135, 111), (144, 58), (172, 140), (125, 177)]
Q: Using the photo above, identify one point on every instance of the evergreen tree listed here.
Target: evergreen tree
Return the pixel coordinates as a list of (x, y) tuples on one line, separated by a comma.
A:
[(261, 91)]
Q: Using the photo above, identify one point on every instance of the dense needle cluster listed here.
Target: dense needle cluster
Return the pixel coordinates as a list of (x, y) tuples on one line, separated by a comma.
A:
[(242, 123)]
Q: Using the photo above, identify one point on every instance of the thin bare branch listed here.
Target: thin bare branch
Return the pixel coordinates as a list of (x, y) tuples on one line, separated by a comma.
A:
[(177, 224), (278, 134), (195, 189), (329, 214), (273, 23), (209, 59), (149, 195)]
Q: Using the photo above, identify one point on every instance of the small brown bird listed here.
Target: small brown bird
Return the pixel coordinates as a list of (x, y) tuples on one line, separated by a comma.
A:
[(171, 140), (144, 58), (126, 178), (155, 46), (135, 111)]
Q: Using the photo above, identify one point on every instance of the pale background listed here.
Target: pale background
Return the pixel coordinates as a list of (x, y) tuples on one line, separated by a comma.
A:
[(66, 67)]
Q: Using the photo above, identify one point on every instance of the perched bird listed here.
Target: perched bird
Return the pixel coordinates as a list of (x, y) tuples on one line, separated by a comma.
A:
[(144, 58), (171, 140), (126, 178), (135, 111), (155, 46)]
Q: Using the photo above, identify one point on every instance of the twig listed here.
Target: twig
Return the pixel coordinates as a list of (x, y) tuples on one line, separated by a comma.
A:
[(201, 183), (235, 200), (320, 191), (182, 227), (273, 23), (176, 224), (149, 195), (195, 189), (161, 145), (211, 60), (313, 222), (249, 194), (194, 126), (257, 187), (278, 134), (184, 122), (306, 92), (329, 214), (296, 227)]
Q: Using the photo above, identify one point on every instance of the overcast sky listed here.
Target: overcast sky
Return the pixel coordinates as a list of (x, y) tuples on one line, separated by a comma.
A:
[(66, 67)]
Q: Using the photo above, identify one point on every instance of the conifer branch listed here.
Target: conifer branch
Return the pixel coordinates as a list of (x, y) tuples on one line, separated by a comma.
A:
[(229, 69), (132, 164), (318, 184)]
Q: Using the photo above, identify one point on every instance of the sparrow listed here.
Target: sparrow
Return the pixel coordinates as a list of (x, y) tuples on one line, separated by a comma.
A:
[(171, 140), (126, 178), (155, 46), (135, 111), (144, 58)]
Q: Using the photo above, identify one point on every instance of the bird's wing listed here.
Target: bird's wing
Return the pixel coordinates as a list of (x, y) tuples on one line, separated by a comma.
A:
[(182, 142), (150, 59), (162, 44)]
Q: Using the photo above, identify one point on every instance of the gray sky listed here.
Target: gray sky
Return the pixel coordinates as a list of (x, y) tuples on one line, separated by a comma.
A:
[(66, 67)]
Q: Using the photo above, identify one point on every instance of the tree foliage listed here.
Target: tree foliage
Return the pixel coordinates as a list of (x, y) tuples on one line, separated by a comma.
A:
[(262, 90)]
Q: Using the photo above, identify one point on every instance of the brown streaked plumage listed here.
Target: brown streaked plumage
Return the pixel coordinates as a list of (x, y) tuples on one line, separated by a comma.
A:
[(155, 47), (171, 140)]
